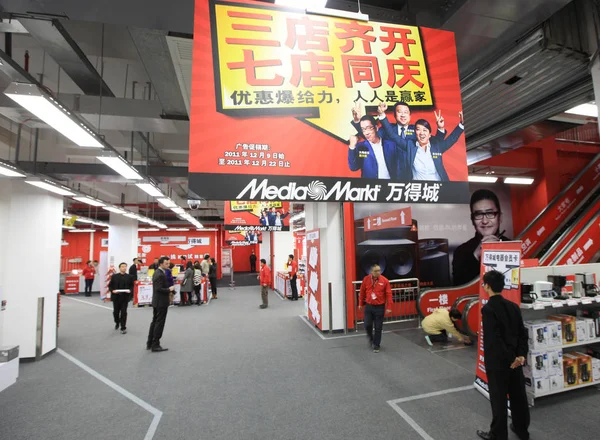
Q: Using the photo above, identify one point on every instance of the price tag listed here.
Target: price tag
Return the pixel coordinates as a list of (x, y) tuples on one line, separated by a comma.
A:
[(557, 304), (586, 301), (539, 307), (572, 302)]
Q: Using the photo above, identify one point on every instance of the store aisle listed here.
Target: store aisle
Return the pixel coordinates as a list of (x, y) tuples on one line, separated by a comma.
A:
[(236, 372)]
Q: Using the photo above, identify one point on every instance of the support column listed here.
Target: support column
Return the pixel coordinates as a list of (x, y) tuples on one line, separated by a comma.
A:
[(122, 240), (30, 221), (595, 71)]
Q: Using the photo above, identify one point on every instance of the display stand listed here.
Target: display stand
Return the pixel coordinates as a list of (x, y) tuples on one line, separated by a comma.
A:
[(283, 287)]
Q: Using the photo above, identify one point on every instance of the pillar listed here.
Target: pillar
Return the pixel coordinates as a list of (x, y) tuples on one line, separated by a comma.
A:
[(30, 221), (122, 240), (595, 71)]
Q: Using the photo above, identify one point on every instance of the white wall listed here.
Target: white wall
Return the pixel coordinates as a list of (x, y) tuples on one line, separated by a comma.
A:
[(265, 250), (283, 246), (122, 240)]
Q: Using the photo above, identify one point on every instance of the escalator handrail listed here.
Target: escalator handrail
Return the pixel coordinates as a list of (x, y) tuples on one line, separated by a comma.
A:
[(468, 307), (577, 236)]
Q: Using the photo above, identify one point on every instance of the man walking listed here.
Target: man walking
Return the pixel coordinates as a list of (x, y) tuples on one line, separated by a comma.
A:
[(265, 281), (253, 262), (505, 347), (293, 271), (121, 289), (160, 305), (376, 299)]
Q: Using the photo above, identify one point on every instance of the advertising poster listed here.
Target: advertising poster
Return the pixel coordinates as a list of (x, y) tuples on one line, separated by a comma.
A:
[(257, 216), (144, 294), (72, 284), (504, 257), (313, 277), (317, 108), (243, 238)]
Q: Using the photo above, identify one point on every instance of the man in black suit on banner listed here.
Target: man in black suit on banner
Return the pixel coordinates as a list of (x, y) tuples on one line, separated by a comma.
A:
[(160, 305), (505, 345)]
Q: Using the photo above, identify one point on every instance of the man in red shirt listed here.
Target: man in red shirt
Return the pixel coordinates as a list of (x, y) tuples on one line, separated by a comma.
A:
[(293, 270), (265, 281), (89, 272), (376, 299)]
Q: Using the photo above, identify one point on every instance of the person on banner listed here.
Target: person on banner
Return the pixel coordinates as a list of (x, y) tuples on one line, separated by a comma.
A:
[(161, 292), (271, 216), (251, 237), (423, 154), (279, 216), (264, 218), (133, 269), (375, 157), (440, 324), (292, 267), (89, 273), (486, 217), (198, 282), (376, 299), (265, 280), (121, 291), (505, 346), (253, 262)]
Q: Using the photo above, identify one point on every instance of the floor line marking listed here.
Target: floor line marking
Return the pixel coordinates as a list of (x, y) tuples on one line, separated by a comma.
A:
[(157, 414), (414, 425)]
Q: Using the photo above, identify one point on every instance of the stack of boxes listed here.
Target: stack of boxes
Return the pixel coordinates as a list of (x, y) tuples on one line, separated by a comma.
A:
[(544, 367), (9, 366)]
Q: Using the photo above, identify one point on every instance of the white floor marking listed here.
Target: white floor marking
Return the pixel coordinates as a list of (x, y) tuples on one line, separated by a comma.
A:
[(155, 412), (395, 406)]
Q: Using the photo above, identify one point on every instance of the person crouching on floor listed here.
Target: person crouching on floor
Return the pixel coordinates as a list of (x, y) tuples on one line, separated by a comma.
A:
[(440, 323)]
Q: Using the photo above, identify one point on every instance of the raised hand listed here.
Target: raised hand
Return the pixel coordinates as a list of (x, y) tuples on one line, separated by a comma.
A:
[(440, 120), (353, 142), (382, 108), (461, 117), (356, 112)]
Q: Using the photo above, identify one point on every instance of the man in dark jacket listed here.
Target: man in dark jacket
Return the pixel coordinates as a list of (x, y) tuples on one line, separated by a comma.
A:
[(121, 289), (505, 345), (133, 269), (253, 262), (160, 305)]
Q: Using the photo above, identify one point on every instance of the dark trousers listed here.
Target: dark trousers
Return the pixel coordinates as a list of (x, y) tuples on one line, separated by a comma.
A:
[(213, 285), (442, 337), (374, 315), (252, 266), (294, 286), (159, 316), (120, 309), (88, 287), (197, 292), (512, 383)]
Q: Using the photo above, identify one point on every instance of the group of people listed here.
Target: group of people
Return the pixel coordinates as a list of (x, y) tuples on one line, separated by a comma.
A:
[(264, 278), (272, 217), (400, 151)]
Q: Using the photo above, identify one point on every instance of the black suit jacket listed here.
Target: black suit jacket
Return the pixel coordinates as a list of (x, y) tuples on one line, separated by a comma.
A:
[(504, 335), (133, 272), (160, 289)]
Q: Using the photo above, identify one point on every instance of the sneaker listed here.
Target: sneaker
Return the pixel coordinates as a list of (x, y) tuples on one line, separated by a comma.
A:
[(428, 339), (123, 332), (375, 349), (116, 326)]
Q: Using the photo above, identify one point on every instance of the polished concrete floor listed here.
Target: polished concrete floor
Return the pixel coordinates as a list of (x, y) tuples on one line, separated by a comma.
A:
[(236, 372)]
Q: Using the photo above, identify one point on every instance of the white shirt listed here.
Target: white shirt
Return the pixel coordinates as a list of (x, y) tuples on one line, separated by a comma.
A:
[(423, 167), (382, 169), (278, 221), (400, 130)]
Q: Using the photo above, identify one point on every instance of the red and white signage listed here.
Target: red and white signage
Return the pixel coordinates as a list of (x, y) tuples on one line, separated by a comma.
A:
[(583, 249), (72, 284), (144, 293), (313, 277), (387, 220)]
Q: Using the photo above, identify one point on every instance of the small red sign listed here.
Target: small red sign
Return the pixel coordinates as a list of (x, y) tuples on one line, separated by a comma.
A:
[(530, 262), (72, 284), (387, 220)]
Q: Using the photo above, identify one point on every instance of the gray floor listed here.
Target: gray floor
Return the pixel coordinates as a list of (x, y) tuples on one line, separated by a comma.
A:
[(236, 372)]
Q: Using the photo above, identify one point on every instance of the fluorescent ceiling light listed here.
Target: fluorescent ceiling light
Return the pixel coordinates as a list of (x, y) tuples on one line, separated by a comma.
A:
[(68, 227), (118, 164), (307, 3), (162, 226), (177, 229), (178, 210), (483, 179), (167, 202), (519, 180), (148, 229), (9, 171), (113, 209), (337, 13), (42, 105), (150, 189), (131, 215), (52, 187), (584, 110), (89, 201), (82, 230)]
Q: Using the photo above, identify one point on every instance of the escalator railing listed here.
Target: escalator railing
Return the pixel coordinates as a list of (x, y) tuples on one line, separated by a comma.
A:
[(583, 246)]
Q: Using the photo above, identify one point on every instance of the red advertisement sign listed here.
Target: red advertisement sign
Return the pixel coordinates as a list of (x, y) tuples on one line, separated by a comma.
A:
[(585, 247), (530, 262), (257, 216), (243, 238), (292, 102), (313, 277), (504, 257), (72, 284), (547, 223), (388, 220)]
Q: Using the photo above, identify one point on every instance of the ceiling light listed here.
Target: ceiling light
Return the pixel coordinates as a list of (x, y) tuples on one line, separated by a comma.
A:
[(148, 229), (9, 171), (45, 107), (50, 186), (97, 223), (119, 164), (167, 202), (519, 180), (316, 10), (584, 110), (162, 226), (177, 229), (178, 210), (150, 189), (84, 220), (68, 227), (131, 215), (483, 179), (89, 201), (113, 209), (82, 230), (307, 3)]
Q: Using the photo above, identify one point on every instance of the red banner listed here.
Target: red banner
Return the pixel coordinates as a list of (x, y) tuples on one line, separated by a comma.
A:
[(583, 249), (72, 284), (544, 226), (313, 278), (388, 220), (257, 216), (504, 257)]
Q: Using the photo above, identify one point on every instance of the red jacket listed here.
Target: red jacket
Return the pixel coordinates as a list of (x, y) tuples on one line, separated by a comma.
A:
[(294, 267), (378, 294), (265, 275), (89, 272)]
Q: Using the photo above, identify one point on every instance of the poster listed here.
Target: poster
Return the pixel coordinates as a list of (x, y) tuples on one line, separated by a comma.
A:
[(257, 216), (504, 257), (144, 294), (313, 274), (243, 238), (318, 108)]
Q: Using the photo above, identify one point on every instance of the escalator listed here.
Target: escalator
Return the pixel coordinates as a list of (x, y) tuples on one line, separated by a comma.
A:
[(584, 245)]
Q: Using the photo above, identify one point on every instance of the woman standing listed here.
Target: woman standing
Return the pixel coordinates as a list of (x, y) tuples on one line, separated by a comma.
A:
[(198, 281), (187, 285), (89, 272), (212, 276)]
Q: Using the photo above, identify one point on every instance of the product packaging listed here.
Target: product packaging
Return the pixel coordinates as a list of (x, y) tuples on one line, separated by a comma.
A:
[(556, 382), (595, 369), (569, 329), (593, 314), (570, 370), (582, 330), (537, 365), (554, 333), (538, 334), (555, 362), (585, 367)]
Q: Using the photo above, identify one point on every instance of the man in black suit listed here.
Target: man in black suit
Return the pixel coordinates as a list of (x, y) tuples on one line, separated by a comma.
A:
[(505, 347), (121, 289), (160, 305), (134, 268)]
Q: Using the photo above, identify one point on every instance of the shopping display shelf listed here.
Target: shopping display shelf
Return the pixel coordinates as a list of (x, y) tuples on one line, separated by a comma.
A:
[(542, 305)]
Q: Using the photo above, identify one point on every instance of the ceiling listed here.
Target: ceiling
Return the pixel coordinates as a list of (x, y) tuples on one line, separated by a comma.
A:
[(130, 62)]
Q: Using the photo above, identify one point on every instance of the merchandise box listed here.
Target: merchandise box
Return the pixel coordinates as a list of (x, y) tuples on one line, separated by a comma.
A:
[(555, 362), (593, 350), (556, 382), (538, 386), (584, 367), (569, 329), (7, 354), (582, 330), (594, 315), (537, 364), (596, 369), (554, 333), (590, 328), (570, 370), (538, 334)]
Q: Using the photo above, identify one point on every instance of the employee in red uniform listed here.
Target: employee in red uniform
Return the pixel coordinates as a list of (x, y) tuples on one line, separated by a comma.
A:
[(89, 272), (265, 282), (293, 270), (376, 293)]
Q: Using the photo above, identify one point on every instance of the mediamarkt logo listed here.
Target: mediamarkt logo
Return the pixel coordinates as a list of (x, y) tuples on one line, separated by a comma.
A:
[(316, 190)]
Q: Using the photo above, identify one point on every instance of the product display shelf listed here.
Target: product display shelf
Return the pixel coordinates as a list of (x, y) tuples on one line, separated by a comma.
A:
[(541, 305)]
